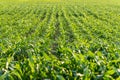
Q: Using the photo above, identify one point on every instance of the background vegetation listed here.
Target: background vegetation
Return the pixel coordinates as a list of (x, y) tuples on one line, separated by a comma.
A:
[(59, 40)]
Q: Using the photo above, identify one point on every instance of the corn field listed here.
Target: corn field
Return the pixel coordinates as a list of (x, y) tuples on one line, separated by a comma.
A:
[(59, 39)]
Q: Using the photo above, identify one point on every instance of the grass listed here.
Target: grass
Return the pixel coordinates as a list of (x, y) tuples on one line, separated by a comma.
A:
[(59, 40)]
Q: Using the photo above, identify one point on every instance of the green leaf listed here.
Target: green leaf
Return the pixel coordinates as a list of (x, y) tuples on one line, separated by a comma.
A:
[(59, 77), (118, 78), (110, 72), (16, 74)]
